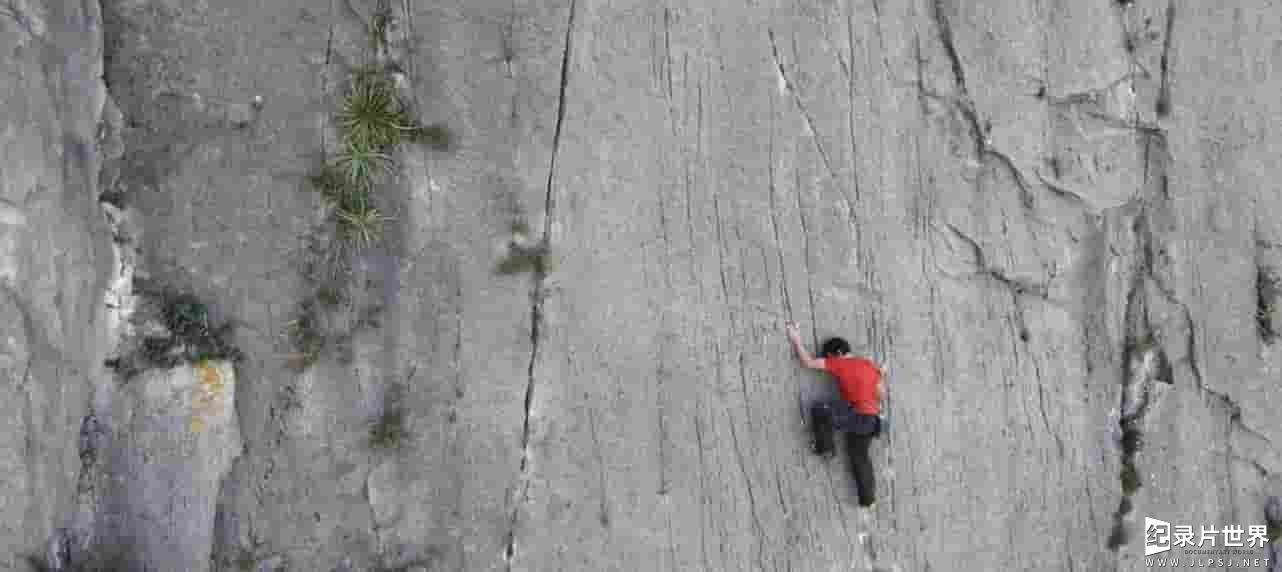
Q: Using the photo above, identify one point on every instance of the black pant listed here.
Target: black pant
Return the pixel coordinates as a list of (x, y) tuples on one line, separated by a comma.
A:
[(859, 431), (861, 467)]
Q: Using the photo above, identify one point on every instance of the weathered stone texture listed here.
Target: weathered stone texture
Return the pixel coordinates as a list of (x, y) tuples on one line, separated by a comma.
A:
[(1046, 219), (54, 256)]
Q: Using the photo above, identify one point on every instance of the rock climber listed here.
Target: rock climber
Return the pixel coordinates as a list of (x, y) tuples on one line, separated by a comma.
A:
[(856, 414)]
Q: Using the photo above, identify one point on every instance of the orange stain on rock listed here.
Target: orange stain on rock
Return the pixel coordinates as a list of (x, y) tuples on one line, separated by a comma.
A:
[(206, 396)]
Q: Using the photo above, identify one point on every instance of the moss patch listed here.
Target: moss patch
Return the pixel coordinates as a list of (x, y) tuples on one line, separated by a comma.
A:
[(1268, 313), (388, 431), (307, 340), (520, 260), (182, 331), (1130, 478)]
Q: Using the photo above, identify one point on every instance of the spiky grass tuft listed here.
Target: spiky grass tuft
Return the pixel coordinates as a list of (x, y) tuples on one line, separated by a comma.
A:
[(361, 226), (378, 28), (520, 228), (536, 261), (371, 115), (330, 296), (1130, 478), (388, 430), (308, 342), (359, 164), (245, 561), (331, 184)]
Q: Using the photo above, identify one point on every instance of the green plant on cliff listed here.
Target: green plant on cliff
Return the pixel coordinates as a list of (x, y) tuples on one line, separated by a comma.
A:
[(186, 316), (371, 120), (331, 184), (388, 430), (523, 253), (99, 559), (189, 334), (378, 22), (361, 226), (1142, 344), (1268, 314), (330, 296), (1130, 478), (245, 561), (188, 321), (524, 260), (306, 338), (360, 163), (371, 114)]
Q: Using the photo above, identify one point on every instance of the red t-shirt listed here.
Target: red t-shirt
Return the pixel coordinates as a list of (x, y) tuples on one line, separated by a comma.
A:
[(857, 379)]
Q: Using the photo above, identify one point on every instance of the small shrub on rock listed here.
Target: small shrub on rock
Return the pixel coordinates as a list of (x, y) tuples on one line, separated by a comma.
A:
[(388, 430)]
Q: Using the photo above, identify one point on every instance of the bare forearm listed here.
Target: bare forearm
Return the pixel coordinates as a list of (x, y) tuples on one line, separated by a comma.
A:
[(803, 354)]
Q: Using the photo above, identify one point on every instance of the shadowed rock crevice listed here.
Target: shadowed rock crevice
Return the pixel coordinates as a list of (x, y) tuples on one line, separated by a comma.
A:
[(1145, 371), (519, 494), (792, 89), (1018, 286), (1268, 302), (1163, 105)]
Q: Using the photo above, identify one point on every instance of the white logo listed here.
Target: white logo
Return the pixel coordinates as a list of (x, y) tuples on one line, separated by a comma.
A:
[(1157, 536), (1215, 546)]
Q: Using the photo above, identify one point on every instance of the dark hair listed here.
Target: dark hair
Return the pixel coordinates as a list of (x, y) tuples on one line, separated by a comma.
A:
[(835, 346)]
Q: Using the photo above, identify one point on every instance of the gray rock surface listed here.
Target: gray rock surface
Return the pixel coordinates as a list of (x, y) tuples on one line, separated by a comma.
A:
[(54, 261), (159, 452), (1047, 220)]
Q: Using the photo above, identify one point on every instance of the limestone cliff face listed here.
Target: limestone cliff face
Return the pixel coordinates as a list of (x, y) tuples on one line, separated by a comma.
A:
[(55, 257), (1054, 223)]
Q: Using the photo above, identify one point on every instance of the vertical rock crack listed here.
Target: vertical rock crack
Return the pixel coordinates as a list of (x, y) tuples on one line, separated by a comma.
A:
[(538, 291)]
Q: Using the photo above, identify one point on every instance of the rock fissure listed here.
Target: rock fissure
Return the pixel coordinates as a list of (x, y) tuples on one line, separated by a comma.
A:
[(774, 225), (1092, 96), (603, 508), (538, 291), (667, 50), (23, 20), (757, 528), (1189, 327), (1018, 286), (805, 258), (881, 37), (560, 120), (1059, 189), (981, 134), (1141, 365), (1041, 405), (1163, 106), (1268, 301), (945, 30), (793, 89)]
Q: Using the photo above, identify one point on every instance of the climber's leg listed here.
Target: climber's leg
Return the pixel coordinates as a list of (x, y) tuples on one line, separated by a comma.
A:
[(861, 467), (823, 434)]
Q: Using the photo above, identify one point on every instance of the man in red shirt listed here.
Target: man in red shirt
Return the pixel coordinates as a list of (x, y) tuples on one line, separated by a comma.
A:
[(856, 414)]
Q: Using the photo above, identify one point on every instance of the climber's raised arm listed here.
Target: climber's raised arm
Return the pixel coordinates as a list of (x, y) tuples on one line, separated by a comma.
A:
[(808, 360)]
